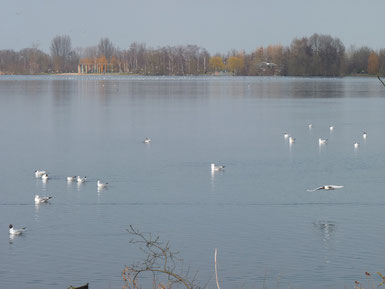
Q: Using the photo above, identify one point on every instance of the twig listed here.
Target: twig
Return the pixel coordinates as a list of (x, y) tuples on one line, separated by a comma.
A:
[(216, 271), (380, 80)]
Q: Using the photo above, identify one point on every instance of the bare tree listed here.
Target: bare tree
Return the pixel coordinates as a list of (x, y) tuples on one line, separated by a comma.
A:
[(61, 46), (358, 60), (159, 261), (90, 52), (61, 52), (106, 48), (327, 55), (34, 60), (26, 61)]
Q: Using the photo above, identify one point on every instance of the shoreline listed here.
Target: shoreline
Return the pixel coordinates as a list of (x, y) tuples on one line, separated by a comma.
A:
[(164, 75)]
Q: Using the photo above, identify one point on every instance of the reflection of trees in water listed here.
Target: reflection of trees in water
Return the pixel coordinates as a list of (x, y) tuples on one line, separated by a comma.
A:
[(327, 231)]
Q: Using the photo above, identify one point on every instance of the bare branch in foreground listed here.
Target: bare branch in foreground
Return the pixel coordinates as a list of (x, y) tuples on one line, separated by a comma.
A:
[(159, 261), (380, 80)]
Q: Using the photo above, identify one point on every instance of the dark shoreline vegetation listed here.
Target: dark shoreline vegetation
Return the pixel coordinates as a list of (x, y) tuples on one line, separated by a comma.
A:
[(317, 55)]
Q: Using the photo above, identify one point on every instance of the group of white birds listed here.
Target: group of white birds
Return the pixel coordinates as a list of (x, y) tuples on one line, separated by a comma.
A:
[(42, 174), (100, 185), (321, 142)]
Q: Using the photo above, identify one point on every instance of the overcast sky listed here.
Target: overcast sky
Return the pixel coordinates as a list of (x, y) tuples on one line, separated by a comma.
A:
[(217, 25)]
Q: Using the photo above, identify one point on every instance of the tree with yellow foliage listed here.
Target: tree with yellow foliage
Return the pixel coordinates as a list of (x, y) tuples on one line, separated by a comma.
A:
[(216, 63), (373, 63), (235, 64)]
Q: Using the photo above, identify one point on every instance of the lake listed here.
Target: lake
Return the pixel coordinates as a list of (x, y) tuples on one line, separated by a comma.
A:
[(268, 229)]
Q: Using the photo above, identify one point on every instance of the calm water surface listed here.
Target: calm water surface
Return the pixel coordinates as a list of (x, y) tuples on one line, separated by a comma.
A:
[(266, 226)]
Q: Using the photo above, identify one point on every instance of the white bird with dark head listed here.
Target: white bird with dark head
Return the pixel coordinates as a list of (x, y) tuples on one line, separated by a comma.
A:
[(44, 177), (102, 185), (81, 180), (13, 231), (40, 200), (71, 179), (215, 168), (364, 135), (39, 174)]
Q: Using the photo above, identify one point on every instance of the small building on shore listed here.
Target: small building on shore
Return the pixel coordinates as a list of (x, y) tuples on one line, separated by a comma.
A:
[(98, 65)]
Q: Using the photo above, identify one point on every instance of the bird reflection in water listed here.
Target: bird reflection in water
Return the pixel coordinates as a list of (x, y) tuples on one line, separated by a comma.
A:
[(327, 230)]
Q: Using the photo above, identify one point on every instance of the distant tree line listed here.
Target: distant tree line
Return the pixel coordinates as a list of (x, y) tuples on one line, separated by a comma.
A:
[(317, 55)]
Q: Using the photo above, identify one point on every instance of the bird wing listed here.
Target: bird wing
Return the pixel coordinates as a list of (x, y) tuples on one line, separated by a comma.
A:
[(336, 187), (316, 189), (20, 231)]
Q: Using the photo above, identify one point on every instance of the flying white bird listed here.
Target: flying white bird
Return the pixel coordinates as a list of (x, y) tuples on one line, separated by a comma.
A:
[(13, 231), (39, 174), (71, 179), (39, 200), (81, 180), (102, 185), (326, 187), (215, 168)]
